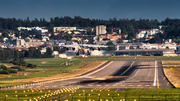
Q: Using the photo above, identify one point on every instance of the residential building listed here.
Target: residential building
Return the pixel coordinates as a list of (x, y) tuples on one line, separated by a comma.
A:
[(100, 29), (18, 42), (57, 30), (38, 29), (146, 33), (33, 44)]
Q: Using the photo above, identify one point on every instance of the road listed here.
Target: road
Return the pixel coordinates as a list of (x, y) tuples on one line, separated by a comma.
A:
[(138, 74)]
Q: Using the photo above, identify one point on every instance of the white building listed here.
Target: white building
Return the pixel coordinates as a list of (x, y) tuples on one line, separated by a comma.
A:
[(144, 33), (100, 29), (39, 29)]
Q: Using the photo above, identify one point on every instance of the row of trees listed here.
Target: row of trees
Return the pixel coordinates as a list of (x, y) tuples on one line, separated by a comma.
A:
[(77, 21), (7, 53)]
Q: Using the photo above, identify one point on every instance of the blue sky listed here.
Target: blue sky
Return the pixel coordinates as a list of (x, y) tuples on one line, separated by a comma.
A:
[(93, 9)]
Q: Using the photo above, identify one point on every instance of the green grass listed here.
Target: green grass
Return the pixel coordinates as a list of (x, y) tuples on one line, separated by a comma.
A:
[(8, 64), (98, 94), (74, 64), (127, 95), (49, 61), (26, 95)]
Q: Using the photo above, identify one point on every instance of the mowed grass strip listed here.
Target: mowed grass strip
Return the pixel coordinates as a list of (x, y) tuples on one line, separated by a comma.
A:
[(47, 61), (171, 62)]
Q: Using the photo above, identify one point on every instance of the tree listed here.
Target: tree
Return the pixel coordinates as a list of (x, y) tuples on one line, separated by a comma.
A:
[(137, 47), (55, 48), (131, 47), (4, 67), (111, 46), (48, 52), (120, 41)]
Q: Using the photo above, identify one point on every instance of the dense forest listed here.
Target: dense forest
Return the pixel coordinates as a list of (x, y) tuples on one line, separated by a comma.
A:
[(171, 26)]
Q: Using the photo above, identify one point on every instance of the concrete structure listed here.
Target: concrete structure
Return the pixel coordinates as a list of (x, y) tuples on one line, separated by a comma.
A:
[(146, 46), (145, 52), (100, 29), (97, 53)]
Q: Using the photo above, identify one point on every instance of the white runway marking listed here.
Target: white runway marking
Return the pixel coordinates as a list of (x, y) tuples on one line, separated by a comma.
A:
[(122, 85), (99, 69), (106, 85), (38, 86), (98, 85), (138, 85), (90, 85), (146, 85), (130, 85), (54, 86), (46, 86), (114, 85), (154, 84), (128, 68)]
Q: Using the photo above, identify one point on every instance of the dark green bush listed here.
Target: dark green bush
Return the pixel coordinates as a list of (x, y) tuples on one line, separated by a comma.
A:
[(19, 61), (15, 67), (12, 71), (3, 67), (20, 69), (4, 72), (31, 65)]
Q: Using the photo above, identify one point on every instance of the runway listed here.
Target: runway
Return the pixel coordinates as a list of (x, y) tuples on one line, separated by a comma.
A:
[(137, 74)]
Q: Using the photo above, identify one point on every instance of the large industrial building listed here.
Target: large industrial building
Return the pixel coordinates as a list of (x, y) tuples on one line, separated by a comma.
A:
[(145, 52)]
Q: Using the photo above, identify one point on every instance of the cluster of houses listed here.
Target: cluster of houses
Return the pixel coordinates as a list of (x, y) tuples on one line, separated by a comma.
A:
[(101, 38)]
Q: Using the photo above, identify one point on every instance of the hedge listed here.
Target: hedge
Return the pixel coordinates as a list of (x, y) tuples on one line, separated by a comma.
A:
[(4, 72)]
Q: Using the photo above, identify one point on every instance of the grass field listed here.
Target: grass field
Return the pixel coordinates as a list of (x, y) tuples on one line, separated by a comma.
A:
[(73, 64), (97, 94), (47, 61)]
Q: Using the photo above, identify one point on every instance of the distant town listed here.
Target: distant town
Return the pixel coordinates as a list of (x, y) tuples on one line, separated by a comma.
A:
[(126, 42)]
